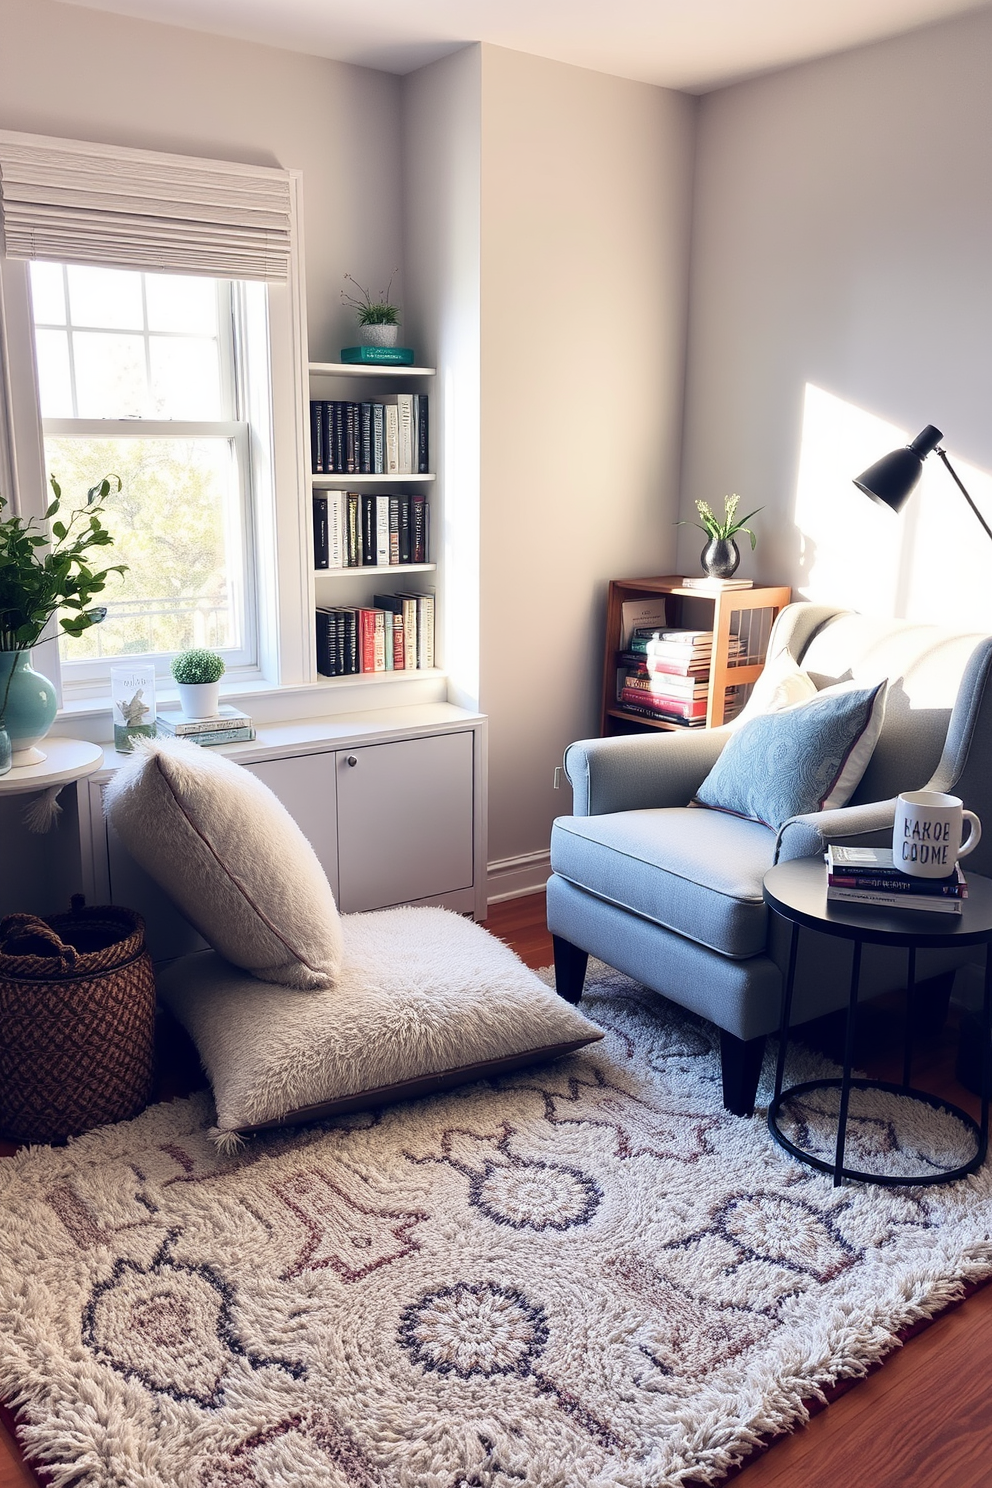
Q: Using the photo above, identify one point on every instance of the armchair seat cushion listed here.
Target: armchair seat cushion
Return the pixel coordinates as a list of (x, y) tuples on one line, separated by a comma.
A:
[(696, 872)]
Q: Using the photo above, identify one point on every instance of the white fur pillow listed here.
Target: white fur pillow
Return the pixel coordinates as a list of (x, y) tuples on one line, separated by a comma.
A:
[(425, 1000), (231, 857)]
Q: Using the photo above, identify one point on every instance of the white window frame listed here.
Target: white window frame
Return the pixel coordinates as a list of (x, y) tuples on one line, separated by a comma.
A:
[(273, 323)]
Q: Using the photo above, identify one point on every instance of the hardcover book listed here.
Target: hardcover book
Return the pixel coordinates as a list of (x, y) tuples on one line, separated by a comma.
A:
[(382, 356), (321, 556), (175, 723)]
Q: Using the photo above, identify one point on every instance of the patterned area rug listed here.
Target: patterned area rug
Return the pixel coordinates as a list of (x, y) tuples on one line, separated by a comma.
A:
[(585, 1275)]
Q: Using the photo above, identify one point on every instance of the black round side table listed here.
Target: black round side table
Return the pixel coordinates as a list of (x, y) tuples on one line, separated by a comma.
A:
[(797, 891)]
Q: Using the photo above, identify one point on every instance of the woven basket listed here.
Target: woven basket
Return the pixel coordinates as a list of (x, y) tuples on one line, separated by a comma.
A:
[(77, 1015)]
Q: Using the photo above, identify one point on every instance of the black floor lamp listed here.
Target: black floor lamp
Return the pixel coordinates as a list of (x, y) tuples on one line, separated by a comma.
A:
[(890, 481)]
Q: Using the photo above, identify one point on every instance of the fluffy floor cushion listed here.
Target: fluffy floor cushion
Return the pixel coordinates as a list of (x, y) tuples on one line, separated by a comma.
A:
[(425, 999), (232, 858)]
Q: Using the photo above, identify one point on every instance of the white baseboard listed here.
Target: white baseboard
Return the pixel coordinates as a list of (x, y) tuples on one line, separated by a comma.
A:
[(512, 878)]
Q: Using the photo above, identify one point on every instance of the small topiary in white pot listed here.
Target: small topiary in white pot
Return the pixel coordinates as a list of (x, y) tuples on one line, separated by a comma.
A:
[(198, 673)]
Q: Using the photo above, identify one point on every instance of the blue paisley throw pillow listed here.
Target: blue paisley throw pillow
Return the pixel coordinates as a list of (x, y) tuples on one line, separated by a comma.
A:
[(809, 757)]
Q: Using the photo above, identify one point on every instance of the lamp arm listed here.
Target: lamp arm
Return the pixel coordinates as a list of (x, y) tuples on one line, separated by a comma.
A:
[(954, 476)]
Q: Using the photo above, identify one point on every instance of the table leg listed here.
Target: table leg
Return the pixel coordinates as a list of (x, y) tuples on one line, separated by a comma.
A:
[(845, 1089), (907, 1060), (783, 1031)]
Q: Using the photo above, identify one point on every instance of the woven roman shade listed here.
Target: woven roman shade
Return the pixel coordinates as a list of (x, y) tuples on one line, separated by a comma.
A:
[(73, 202)]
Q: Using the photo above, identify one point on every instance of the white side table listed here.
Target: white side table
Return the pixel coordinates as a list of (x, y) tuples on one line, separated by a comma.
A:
[(66, 760)]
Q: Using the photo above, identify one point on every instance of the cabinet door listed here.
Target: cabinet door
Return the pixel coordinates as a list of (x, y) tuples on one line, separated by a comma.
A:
[(405, 828), (304, 783)]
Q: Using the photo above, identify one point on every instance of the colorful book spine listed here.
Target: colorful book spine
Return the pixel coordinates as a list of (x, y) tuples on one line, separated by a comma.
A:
[(898, 884), (372, 640), (670, 706), (419, 525)]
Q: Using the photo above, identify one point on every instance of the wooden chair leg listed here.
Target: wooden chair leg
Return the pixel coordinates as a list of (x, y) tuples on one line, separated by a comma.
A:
[(740, 1061), (570, 969)]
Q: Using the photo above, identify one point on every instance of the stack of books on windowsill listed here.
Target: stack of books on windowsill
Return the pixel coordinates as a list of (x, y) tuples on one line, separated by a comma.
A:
[(867, 875), (665, 674), (230, 726)]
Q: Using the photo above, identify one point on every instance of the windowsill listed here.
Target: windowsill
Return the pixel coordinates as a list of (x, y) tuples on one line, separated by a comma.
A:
[(90, 717)]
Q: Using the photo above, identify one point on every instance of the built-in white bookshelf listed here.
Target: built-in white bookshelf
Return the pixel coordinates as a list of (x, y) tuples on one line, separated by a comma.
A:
[(355, 585)]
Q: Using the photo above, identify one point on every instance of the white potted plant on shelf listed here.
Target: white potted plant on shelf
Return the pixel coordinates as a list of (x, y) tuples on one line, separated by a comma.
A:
[(198, 673), (378, 318)]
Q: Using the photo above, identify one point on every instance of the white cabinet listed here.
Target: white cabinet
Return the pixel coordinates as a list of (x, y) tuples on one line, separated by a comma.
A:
[(404, 821), (396, 815), (304, 784)]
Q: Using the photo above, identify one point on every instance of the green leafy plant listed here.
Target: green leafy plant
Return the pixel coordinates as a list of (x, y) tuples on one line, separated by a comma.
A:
[(44, 572), (190, 668), (722, 530), (372, 311)]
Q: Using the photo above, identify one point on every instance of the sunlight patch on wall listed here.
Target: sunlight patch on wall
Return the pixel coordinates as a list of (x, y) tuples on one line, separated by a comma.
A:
[(931, 563)]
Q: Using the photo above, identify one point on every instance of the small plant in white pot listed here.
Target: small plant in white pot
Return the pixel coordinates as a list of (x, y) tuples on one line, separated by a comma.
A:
[(198, 673), (378, 317)]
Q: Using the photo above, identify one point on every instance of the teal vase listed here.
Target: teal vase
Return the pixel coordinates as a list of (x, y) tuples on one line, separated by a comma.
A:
[(30, 709)]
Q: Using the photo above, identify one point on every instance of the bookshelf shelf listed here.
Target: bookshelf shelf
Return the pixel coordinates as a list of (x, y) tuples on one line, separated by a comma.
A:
[(747, 614), (396, 570), (359, 369), (352, 482)]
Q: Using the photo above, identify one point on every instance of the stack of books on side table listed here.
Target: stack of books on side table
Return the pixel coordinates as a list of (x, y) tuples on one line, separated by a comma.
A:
[(230, 726), (666, 674), (867, 875)]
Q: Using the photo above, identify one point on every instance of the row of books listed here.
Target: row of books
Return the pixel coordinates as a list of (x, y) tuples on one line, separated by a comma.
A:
[(230, 726), (664, 674), (868, 875), (357, 529), (388, 438), (393, 634)]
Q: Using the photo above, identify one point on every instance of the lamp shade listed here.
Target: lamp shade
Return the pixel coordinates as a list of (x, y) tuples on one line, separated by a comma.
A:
[(890, 481)]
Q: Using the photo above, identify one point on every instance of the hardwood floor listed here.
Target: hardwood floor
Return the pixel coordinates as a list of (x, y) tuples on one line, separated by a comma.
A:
[(923, 1420)]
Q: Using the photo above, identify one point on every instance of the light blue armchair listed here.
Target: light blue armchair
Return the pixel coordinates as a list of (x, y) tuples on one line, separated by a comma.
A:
[(671, 895)]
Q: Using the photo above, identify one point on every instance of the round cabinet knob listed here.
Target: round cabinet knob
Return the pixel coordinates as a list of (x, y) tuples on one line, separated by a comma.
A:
[(351, 760)]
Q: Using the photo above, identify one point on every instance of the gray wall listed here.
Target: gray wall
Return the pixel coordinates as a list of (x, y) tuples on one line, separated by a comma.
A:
[(585, 207), (842, 239), (86, 74)]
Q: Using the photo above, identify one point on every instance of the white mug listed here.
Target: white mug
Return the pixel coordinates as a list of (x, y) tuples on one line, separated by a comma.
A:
[(926, 838)]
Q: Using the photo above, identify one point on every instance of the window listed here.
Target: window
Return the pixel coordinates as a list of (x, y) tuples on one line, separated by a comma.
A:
[(139, 375), (160, 299)]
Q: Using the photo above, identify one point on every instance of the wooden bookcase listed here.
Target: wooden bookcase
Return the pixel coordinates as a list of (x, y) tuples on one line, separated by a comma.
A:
[(746, 613)]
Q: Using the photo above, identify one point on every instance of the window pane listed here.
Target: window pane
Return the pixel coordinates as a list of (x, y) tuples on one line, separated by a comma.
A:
[(178, 302), (106, 297), (185, 377), (111, 381), (54, 384), (176, 524), (48, 294)]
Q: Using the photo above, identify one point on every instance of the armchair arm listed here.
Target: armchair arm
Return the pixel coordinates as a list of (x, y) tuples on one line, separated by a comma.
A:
[(868, 825), (640, 770)]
